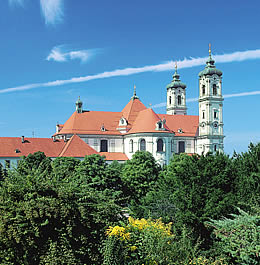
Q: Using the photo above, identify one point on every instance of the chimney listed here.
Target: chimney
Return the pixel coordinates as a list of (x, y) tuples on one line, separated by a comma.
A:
[(22, 139)]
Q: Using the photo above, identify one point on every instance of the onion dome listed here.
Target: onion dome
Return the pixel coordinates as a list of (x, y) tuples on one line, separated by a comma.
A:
[(176, 82), (210, 68)]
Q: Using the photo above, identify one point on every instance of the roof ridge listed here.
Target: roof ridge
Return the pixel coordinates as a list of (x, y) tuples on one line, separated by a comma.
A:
[(66, 146)]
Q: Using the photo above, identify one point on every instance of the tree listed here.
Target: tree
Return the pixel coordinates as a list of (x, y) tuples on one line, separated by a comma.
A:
[(64, 166), (192, 190), (140, 174), (49, 219), (239, 237), (248, 176), (34, 162)]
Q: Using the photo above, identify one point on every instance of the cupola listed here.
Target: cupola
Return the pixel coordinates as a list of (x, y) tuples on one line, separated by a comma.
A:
[(210, 68), (79, 105)]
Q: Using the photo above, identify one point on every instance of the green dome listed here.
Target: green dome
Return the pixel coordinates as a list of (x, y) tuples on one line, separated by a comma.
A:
[(176, 82), (210, 68)]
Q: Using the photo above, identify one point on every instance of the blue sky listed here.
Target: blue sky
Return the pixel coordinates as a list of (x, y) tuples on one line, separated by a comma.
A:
[(52, 51)]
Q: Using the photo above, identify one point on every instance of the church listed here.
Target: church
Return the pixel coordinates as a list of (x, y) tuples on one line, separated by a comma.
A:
[(118, 135), (137, 127)]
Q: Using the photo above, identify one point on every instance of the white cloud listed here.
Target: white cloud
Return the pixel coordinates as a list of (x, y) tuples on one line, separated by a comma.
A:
[(225, 58), (242, 94), (16, 2), (52, 11), (60, 54)]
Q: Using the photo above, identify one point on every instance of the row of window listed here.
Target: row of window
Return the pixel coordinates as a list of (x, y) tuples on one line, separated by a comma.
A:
[(159, 146), (178, 100), (215, 114), (142, 146), (214, 88)]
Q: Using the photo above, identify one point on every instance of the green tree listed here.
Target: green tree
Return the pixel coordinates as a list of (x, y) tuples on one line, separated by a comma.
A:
[(139, 175), (52, 219), (64, 166), (248, 176), (34, 162), (239, 237), (192, 190)]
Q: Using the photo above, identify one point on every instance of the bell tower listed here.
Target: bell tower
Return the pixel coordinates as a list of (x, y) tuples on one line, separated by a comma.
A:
[(210, 137), (176, 96)]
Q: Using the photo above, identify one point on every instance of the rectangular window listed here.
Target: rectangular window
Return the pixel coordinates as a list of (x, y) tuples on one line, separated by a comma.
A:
[(203, 114), (215, 114), (181, 147), (103, 146), (112, 145)]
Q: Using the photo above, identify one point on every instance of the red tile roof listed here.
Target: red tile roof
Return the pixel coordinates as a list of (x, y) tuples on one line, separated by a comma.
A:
[(90, 122), (188, 123), (9, 146), (114, 156), (139, 118), (146, 122), (132, 109), (76, 147)]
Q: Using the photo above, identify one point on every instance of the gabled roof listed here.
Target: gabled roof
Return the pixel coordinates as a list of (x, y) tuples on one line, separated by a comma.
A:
[(146, 122), (132, 109), (76, 147)]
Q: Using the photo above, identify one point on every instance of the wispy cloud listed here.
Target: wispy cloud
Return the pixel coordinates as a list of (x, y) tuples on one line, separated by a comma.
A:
[(242, 94), (16, 2), (52, 11), (192, 62), (61, 54)]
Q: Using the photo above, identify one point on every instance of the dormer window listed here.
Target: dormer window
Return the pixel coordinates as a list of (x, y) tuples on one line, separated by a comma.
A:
[(159, 125), (122, 122), (180, 130), (103, 129)]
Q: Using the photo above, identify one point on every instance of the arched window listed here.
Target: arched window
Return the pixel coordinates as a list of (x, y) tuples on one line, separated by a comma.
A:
[(203, 90), (170, 100), (131, 146), (214, 90), (159, 145), (179, 100), (103, 146), (142, 145), (215, 148)]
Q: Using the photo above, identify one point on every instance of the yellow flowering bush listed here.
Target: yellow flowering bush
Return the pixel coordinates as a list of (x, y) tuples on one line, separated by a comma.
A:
[(139, 240), (205, 261)]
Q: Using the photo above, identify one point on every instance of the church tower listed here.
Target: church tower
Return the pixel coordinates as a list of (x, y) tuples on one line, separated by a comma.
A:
[(176, 96), (210, 137)]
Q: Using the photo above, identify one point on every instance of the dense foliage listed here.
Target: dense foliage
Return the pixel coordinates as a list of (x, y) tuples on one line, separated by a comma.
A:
[(58, 212)]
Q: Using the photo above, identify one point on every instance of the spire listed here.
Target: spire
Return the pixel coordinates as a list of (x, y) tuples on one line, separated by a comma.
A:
[(134, 95), (209, 49)]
